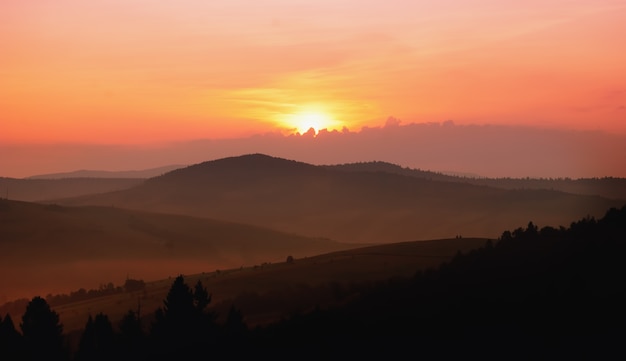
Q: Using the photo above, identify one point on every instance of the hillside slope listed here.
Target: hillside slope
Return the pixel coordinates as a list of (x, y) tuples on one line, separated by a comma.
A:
[(284, 287), (50, 248)]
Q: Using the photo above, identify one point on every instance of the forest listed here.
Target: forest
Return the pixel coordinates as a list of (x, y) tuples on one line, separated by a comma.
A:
[(533, 293)]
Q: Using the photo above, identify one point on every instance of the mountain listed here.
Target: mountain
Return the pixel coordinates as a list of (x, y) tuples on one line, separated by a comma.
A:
[(146, 173), (72, 184), (51, 248), (608, 187), (36, 190), (349, 206)]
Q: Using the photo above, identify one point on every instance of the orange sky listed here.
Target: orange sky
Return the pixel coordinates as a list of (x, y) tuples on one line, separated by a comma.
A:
[(129, 71)]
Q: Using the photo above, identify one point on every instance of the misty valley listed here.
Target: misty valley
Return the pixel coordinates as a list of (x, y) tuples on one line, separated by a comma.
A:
[(312, 180), (259, 256)]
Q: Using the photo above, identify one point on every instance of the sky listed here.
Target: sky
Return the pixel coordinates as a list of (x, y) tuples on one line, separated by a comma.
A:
[(148, 73)]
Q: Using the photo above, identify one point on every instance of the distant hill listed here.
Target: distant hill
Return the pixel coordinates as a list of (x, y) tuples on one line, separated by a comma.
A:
[(51, 248), (350, 206), (73, 184), (35, 190), (608, 187), (146, 173), (378, 166)]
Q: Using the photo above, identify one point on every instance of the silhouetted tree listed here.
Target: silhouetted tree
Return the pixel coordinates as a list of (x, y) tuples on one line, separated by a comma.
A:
[(201, 297), (556, 292), (531, 230), (134, 285), (10, 340), (98, 339), (132, 338), (182, 324), (234, 321), (235, 324), (86, 347), (43, 334)]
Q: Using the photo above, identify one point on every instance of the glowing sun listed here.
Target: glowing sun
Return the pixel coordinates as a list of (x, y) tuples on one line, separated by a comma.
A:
[(304, 121)]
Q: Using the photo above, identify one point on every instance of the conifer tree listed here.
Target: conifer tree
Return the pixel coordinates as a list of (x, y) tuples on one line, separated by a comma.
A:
[(98, 340), (10, 340), (43, 334)]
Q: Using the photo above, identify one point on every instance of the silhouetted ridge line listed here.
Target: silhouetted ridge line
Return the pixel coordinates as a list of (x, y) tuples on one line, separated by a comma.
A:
[(245, 165), (391, 168), (607, 187), (88, 173), (348, 206)]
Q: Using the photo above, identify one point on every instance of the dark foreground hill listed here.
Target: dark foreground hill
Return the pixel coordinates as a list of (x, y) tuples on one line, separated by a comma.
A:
[(535, 293), (51, 248), (269, 291), (354, 206)]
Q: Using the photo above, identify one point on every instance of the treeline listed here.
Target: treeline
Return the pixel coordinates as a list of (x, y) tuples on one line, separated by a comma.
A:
[(130, 285), (535, 293), (182, 328)]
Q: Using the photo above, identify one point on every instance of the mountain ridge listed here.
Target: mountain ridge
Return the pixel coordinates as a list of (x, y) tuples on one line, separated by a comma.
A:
[(355, 206), (87, 173)]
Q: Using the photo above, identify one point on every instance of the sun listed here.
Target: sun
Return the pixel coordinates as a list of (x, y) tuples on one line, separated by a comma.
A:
[(305, 120)]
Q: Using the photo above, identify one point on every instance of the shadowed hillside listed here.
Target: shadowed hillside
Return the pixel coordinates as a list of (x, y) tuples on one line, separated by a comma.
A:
[(366, 207), (50, 248), (541, 293), (536, 292), (269, 291)]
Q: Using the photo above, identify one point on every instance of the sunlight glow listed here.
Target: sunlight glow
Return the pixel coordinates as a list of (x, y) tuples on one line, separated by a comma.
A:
[(302, 121)]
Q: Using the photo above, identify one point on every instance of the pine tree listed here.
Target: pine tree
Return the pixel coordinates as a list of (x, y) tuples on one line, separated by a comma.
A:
[(132, 338), (98, 340), (10, 340), (183, 324), (43, 334)]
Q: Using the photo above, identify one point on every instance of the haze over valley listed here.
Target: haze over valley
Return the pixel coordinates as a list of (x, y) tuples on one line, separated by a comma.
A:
[(230, 179), (252, 209)]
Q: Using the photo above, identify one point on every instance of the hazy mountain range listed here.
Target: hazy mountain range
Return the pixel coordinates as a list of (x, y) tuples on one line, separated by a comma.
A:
[(257, 208), (344, 203), (146, 173)]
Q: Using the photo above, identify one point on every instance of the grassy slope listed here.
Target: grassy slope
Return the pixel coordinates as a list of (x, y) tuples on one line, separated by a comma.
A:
[(49, 248), (267, 292)]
